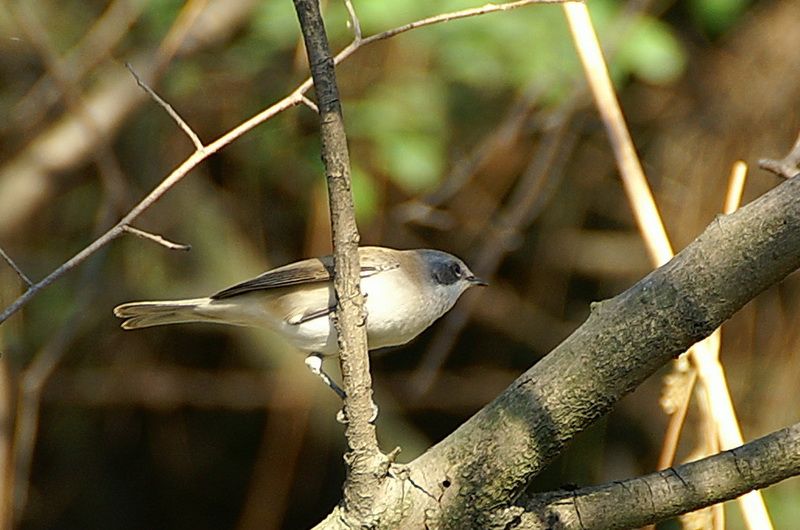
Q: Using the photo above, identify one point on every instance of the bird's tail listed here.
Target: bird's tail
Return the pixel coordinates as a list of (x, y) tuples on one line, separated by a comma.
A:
[(146, 314)]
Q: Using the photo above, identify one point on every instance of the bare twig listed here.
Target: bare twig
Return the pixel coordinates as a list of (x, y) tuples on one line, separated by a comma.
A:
[(455, 15), (34, 168), (354, 22), (169, 108), (364, 458), (156, 238), (788, 166), (171, 180), (310, 104), (291, 100), (16, 267)]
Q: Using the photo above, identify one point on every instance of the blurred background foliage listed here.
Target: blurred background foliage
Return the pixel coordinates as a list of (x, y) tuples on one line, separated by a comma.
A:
[(474, 136)]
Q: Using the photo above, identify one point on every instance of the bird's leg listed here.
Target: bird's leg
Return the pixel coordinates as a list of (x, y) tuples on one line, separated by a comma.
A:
[(314, 363)]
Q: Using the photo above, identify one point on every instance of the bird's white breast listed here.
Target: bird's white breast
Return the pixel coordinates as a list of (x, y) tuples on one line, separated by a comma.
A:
[(397, 311)]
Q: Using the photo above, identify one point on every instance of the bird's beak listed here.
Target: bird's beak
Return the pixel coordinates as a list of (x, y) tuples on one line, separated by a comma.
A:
[(474, 280)]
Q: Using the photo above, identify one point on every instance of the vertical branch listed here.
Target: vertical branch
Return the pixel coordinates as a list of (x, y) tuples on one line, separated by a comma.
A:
[(350, 318)]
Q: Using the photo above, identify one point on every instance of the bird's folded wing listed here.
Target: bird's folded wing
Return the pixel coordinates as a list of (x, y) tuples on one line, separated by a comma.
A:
[(308, 271)]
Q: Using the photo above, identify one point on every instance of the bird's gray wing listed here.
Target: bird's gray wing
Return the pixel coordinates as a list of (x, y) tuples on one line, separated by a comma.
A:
[(314, 270)]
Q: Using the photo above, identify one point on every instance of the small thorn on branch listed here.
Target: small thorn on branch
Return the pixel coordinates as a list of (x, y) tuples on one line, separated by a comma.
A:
[(155, 238), (16, 268), (308, 103), (170, 110)]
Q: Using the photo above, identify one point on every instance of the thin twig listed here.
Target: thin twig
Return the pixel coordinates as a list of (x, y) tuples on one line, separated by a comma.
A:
[(16, 268), (308, 103), (291, 100), (113, 98), (156, 238), (169, 108), (354, 22), (455, 15), (788, 166), (171, 180)]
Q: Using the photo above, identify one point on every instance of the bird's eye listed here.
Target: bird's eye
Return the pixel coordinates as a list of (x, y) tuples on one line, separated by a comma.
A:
[(447, 273)]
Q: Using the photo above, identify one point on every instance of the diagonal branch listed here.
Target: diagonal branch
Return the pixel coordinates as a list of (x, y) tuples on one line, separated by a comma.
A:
[(296, 97), (625, 340)]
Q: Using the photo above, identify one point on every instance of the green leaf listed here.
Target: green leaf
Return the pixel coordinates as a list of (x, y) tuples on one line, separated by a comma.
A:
[(365, 195), (653, 53), (414, 161), (715, 16)]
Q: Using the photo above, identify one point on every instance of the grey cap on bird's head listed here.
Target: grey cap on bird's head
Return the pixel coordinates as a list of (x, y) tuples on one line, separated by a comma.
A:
[(447, 269)]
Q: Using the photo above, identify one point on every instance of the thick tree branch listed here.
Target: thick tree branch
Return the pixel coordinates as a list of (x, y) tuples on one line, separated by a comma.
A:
[(462, 481), (623, 342), (364, 458), (643, 500)]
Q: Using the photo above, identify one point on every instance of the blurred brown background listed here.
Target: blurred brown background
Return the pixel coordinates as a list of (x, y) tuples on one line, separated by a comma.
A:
[(476, 137)]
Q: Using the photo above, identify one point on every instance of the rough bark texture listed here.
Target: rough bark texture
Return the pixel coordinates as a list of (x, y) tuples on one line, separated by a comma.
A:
[(481, 467), (364, 457), (624, 341), (643, 500)]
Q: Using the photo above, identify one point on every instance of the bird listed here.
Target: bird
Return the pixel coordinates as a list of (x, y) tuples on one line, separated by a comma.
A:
[(405, 292)]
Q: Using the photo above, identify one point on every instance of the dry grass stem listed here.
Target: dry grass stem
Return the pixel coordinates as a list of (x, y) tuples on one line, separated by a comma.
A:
[(733, 198), (705, 353), (639, 195)]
